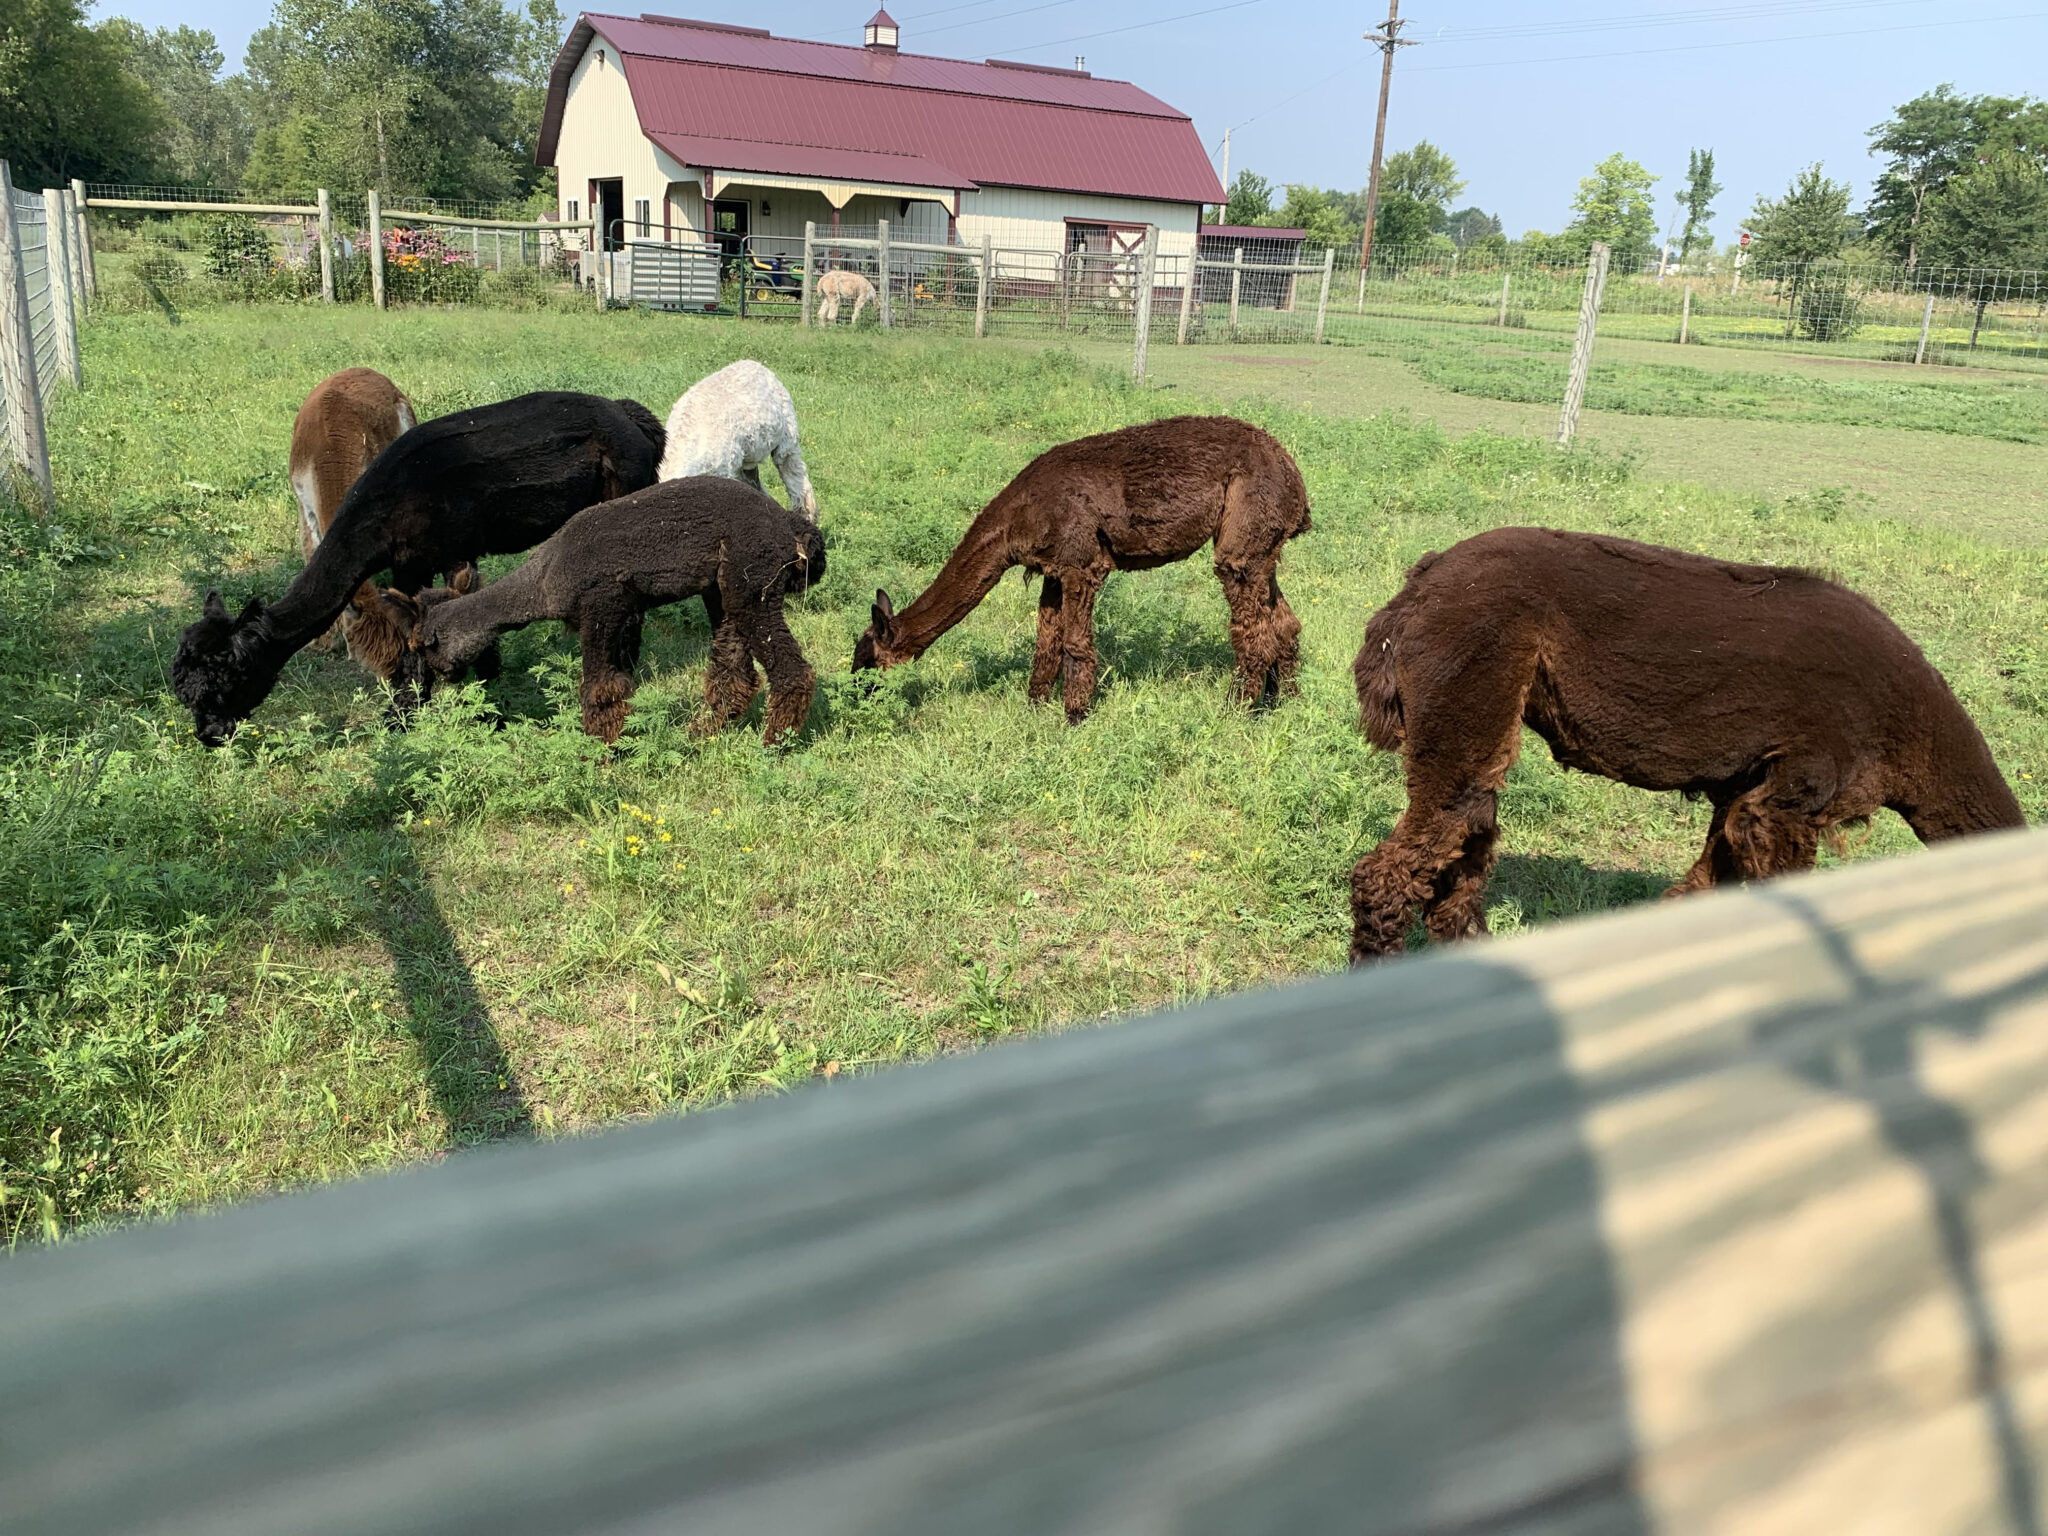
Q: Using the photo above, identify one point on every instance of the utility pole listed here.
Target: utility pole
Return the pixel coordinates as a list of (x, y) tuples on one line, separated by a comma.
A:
[(1387, 38), (1226, 170)]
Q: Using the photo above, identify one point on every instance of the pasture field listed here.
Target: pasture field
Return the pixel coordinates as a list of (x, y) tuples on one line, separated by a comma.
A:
[(329, 948)]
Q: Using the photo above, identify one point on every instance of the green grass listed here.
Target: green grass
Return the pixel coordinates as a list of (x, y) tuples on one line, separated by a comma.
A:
[(329, 948)]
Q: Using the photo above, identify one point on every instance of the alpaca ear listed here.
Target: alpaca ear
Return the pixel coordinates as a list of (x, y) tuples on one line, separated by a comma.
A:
[(884, 613), (215, 608), (466, 580), (251, 611)]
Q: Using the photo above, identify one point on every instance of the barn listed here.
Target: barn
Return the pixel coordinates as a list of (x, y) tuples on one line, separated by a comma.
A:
[(666, 129)]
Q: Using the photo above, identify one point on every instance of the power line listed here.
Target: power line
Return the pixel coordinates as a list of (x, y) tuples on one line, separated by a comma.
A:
[(1136, 26), (954, 26), (1702, 17)]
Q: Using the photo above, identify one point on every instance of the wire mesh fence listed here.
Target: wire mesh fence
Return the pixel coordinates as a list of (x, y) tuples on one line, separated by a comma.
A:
[(32, 231)]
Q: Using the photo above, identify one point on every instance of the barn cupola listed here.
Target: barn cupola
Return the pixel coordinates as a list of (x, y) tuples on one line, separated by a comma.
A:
[(881, 32)]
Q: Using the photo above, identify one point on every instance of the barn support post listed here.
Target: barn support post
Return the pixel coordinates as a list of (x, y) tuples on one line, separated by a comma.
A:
[(326, 248), (810, 276), (57, 275), (86, 267), (882, 269), (1582, 346), (1141, 328), (1323, 300), (1236, 286), (1187, 293), (30, 448), (1505, 279), (1685, 317), (1926, 325), (376, 249), (988, 254)]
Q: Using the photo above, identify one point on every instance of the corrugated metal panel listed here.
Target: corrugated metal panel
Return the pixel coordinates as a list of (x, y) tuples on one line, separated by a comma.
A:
[(983, 139)]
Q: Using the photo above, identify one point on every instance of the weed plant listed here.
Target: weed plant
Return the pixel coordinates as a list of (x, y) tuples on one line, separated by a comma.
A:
[(328, 947)]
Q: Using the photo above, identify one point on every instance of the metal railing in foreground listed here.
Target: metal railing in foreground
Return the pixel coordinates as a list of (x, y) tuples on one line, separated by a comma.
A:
[(1709, 1215)]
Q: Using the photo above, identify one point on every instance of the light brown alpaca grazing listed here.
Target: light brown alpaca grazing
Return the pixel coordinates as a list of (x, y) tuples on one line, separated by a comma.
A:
[(836, 288), (348, 419), (1124, 501)]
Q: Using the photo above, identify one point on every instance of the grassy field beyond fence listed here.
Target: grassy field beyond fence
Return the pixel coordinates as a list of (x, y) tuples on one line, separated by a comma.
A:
[(330, 948)]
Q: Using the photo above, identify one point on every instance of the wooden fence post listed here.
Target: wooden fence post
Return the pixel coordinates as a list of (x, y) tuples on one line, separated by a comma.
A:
[(74, 251), (1505, 279), (882, 268), (87, 270), (1926, 325), (1685, 317), (326, 248), (810, 242), (376, 249), (57, 275), (1323, 300), (988, 256), (1236, 281), (1582, 345), (24, 402), (1187, 293), (1148, 267)]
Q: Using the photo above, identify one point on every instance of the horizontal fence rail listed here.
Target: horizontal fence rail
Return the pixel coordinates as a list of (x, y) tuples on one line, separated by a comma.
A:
[(1707, 1216)]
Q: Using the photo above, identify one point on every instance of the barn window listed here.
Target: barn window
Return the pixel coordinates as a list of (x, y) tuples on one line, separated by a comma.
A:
[(575, 211), (643, 215)]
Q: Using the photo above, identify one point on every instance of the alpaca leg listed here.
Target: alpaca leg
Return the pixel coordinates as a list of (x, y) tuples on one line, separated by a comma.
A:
[(796, 479), (1771, 833), (1249, 537), (611, 648), (1252, 634), (751, 473), (860, 302), (1045, 655), (1716, 863), (1455, 909), (1079, 589), (730, 681), (1287, 643), (791, 682)]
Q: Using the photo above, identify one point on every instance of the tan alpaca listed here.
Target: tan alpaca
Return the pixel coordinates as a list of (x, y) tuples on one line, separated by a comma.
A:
[(834, 287), (349, 419)]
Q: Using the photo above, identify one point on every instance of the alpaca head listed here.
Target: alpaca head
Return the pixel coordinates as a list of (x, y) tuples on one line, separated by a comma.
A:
[(440, 646), (219, 673), (809, 566), (882, 644)]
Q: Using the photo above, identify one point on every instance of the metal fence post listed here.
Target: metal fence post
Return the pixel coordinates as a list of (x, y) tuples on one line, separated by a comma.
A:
[(326, 249), (1582, 346), (882, 268), (1187, 293), (1926, 325), (1323, 299), (24, 402), (988, 254), (1685, 317), (87, 271), (1236, 282), (1505, 279), (57, 274), (810, 241), (1141, 326), (376, 249)]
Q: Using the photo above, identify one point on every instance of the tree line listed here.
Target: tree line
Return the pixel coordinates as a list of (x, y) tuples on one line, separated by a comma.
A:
[(437, 98), (1964, 183)]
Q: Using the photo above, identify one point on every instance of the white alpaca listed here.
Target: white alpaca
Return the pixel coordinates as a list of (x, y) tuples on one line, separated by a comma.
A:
[(728, 423), (835, 287)]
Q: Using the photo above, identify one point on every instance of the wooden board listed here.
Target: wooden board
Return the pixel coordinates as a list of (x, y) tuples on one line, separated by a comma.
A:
[(1728, 1215)]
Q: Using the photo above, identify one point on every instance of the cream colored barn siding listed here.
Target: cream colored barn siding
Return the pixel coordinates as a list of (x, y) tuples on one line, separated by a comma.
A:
[(1020, 219), (600, 139)]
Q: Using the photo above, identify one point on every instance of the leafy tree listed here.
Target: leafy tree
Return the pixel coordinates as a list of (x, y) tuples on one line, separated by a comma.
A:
[(204, 141), (1931, 140), (1614, 205), (1316, 211), (1809, 223), (1424, 173), (1991, 218), (1468, 226), (1403, 222), (1251, 198), (1698, 202), (69, 103)]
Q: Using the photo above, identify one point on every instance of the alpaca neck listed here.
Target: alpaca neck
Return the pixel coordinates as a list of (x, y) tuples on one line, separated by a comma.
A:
[(324, 588), (1956, 788), (970, 574), (467, 624)]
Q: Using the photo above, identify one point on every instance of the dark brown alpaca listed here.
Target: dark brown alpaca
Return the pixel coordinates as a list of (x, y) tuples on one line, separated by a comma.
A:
[(704, 536), (1124, 501), (1790, 703)]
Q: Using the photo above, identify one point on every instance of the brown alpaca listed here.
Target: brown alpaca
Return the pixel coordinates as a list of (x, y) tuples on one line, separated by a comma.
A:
[(701, 536), (1124, 501), (1790, 703), (349, 419)]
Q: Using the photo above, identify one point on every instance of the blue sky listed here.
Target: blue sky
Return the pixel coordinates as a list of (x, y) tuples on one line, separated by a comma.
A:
[(1508, 89)]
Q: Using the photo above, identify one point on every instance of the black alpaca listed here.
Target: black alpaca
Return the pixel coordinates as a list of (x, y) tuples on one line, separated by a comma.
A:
[(704, 536), (494, 480)]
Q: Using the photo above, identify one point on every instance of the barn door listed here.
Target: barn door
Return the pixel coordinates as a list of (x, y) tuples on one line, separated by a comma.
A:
[(1102, 260)]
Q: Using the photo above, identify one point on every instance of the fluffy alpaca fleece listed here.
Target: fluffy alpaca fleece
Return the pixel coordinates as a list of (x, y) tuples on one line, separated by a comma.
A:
[(1791, 704), (706, 537), (1124, 501), (836, 288), (731, 422), (494, 480), (348, 419)]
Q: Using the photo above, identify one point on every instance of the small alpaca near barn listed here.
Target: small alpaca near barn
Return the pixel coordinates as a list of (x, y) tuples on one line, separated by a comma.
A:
[(1130, 500), (706, 537), (836, 288), (348, 419), (1791, 704), (494, 480), (729, 423)]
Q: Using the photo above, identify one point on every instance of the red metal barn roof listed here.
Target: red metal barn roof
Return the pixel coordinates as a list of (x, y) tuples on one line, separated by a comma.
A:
[(738, 99)]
